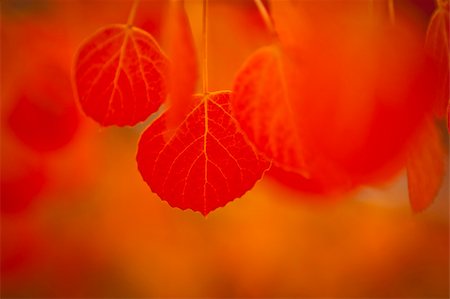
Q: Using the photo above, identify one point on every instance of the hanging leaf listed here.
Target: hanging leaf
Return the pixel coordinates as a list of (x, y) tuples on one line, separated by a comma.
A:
[(426, 166), (263, 107), (120, 75), (206, 163), (333, 97), (180, 49), (437, 43)]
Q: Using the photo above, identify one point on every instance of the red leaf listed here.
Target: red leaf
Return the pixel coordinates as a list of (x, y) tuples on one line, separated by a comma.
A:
[(205, 164), (263, 109), (331, 91), (264, 102), (180, 49), (437, 43), (120, 75), (426, 166), (45, 101)]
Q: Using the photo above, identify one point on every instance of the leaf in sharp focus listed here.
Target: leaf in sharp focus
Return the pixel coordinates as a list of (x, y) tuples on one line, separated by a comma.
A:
[(437, 43), (206, 163), (180, 49), (261, 103), (426, 166), (120, 75)]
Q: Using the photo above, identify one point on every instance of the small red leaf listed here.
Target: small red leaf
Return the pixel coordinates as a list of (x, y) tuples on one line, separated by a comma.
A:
[(437, 43), (264, 103), (426, 166), (263, 109), (120, 75), (205, 164), (331, 90)]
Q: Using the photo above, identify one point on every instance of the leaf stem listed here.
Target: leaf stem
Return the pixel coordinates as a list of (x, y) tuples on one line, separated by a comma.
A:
[(391, 9), (132, 13), (205, 47), (266, 17), (440, 3)]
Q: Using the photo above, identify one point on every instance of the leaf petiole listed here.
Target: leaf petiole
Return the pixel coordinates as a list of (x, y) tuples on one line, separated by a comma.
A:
[(266, 17), (205, 47), (132, 13), (391, 9)]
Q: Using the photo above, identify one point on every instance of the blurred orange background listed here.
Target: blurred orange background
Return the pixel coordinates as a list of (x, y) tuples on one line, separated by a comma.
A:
[(77, 220)]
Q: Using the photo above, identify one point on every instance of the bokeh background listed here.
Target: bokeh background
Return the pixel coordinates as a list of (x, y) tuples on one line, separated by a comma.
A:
[(77, 220)]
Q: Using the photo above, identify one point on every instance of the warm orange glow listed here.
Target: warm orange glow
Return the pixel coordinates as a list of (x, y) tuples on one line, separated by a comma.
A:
[(78, 220)]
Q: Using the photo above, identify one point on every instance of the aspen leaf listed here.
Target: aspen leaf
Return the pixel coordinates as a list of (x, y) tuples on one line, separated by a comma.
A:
[(262, 106), (437, 43), (426, 166), (206, 163), (331, 90), (120, 75), (265, 103)]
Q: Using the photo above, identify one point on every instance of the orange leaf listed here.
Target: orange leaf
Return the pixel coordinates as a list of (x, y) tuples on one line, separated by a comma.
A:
[(205, 164), (426, 166), (180, 49), (120, 75)]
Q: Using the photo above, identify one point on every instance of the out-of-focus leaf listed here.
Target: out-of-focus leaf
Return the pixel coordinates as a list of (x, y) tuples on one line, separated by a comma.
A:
[(426, 165), (183, 71), (437, 42)]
